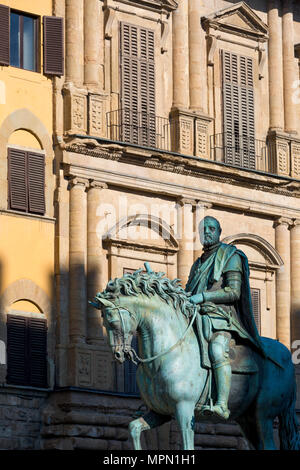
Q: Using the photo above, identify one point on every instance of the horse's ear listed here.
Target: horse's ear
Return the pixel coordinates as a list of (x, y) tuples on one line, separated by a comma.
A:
[(105, 303)]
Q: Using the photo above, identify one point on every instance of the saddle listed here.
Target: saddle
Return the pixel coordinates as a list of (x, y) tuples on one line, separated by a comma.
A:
[(241, 356)]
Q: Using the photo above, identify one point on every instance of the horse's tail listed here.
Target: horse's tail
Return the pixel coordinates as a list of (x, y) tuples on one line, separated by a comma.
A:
[(288, 426)]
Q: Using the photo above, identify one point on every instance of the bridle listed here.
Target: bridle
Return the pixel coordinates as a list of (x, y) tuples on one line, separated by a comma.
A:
[(129, 351)]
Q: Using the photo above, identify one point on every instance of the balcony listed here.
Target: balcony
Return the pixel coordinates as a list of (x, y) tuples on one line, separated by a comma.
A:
[(148, 130), (240, 151), (139, 128)]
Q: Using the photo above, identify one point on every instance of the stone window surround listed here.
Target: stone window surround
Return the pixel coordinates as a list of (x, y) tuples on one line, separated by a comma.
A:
[(25, 289), (23, 119)]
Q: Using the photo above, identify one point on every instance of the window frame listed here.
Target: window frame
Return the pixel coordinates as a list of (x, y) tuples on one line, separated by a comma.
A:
[(37, 39)]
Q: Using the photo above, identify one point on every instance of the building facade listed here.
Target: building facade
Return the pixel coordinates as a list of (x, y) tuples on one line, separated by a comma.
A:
[(161, 112)]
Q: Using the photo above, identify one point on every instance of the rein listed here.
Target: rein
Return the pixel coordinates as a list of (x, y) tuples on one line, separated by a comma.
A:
[(152, 358)]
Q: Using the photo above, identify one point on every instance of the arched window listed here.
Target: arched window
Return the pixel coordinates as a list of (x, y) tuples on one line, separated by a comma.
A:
[(26, 346)]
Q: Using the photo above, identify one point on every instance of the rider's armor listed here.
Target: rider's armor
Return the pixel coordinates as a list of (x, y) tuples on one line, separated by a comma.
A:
[(224, 293)]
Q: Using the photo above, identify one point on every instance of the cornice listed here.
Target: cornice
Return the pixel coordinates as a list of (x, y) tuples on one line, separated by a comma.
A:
[(154, 5), (206, 169), (256, 28)]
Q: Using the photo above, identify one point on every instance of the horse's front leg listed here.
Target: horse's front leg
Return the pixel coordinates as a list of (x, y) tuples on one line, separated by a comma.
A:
[(148, 421), (184, 415)]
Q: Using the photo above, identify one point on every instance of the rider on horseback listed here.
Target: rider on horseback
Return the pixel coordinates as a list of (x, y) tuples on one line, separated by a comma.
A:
[(219, 281)]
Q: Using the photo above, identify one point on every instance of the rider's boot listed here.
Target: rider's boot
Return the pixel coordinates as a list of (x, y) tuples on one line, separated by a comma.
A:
[(219, 352), (223, 382), (222, 374)]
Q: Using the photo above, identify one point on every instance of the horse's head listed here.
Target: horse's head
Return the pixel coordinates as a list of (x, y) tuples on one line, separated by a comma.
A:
[(120, 325)]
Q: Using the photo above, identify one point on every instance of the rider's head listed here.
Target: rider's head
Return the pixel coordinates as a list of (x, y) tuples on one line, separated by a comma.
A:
[(209, 231)]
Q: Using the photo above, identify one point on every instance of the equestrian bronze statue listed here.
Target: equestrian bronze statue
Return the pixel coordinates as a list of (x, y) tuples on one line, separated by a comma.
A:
[(199, 352)]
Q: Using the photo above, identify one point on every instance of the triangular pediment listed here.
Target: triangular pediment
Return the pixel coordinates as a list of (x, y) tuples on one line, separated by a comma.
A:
[(237, 19), (154, 4)]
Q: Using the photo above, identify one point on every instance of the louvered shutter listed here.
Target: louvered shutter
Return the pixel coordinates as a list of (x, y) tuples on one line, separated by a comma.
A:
[(17, 352), (238, 110), (26, 351), (129, 83), (147, 90), (255, 297), (138, 123), (4, 34), (17, 179), (53, 45), (36, 182), (37, 352), (130, 385)]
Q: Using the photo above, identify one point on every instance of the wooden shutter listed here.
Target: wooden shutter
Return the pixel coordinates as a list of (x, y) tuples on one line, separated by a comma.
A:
[(36, 182), (17, 179), (238, 110), (37, 352), (137, 85), (17, 353), (255, 296), (53, 45), (26, 351), (4, 34)]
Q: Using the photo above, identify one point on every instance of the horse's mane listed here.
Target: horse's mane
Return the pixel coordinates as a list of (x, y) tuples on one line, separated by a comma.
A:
[(150, 284)]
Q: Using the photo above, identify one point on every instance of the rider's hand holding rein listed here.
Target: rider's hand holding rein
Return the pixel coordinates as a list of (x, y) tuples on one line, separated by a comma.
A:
[(197, 299)]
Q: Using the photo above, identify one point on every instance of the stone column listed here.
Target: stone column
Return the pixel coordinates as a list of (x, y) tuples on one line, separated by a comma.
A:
[(275, 66), (199, 214), (289, 75), (74, 42), (185, 256), (92, 42), (283, 281), (95, 281), (180, 56), (295, 280), (77, 248), (197, 59)]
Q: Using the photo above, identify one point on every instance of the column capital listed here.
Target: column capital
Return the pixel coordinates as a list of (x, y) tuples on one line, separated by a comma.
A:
[(283, 221), (97, 184), (182, 201), (78, 181), (295, 223), (204, 204)]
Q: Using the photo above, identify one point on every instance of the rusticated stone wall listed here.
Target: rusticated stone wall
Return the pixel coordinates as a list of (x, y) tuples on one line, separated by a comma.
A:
[(87, 420)]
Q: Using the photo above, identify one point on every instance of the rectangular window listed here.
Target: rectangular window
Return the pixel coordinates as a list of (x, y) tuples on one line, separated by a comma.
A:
[(26, 181), (138, 119), (20, 41), (238, 110), (24, 41), (256, 306), (26, 351)]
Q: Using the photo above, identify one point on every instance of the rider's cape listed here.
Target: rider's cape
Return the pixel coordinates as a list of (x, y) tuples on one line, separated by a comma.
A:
[(211, 270)]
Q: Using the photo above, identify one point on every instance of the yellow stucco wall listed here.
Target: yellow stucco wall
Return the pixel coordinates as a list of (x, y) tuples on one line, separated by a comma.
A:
[(26, 242)]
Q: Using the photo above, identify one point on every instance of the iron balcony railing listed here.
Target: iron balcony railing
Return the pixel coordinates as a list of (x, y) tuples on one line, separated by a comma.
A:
[(140, 128), (240, 151)]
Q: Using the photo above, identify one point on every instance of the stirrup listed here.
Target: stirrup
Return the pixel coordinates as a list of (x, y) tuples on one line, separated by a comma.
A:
[(219, 410)]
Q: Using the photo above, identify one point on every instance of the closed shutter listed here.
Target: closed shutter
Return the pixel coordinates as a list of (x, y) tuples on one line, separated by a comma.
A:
[(53, 45), (4, 34), (238, 110), (137, 85), (255, 297), (17, 179), (26, 351), (37, 347), (17, 352), (36, 183)]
